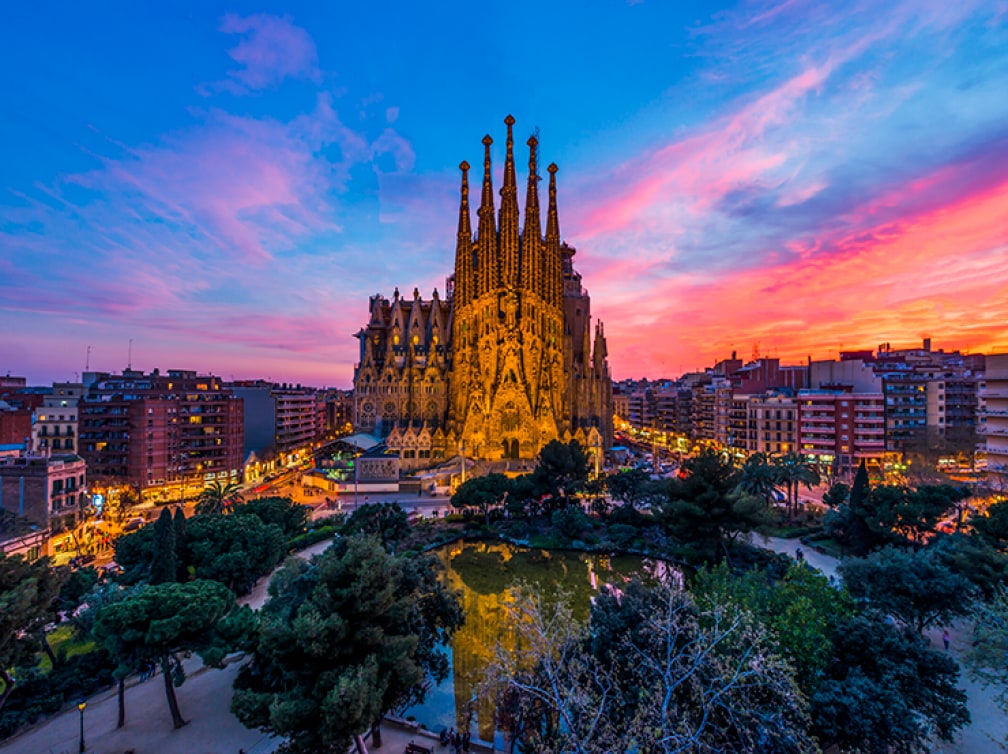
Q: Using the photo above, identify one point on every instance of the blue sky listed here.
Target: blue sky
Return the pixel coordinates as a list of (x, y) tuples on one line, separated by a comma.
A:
[(226, 184)]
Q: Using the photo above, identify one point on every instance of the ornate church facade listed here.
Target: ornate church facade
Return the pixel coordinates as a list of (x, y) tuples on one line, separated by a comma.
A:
[(508, 359)]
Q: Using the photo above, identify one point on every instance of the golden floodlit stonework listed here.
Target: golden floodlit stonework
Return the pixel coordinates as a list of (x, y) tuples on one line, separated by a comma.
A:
[(508, 360)]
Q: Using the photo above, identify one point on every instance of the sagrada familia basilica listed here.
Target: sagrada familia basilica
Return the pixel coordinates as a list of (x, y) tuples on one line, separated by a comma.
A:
[(507, 360)]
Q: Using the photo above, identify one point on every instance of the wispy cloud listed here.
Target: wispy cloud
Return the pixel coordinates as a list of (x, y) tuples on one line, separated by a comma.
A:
[(271, 49)]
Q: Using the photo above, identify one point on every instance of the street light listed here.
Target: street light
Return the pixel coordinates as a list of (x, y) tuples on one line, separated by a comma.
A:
[(81, 705)]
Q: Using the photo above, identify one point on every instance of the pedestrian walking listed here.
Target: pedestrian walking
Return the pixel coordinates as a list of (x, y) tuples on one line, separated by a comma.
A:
[(457, 743), (799, 555), (946, 639), (465, 742)]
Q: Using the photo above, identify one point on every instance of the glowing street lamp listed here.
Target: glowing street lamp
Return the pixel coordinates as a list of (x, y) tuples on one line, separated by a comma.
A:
[(82, 705)]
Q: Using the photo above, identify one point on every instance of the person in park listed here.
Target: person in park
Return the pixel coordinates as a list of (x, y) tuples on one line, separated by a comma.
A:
[(799, 554)]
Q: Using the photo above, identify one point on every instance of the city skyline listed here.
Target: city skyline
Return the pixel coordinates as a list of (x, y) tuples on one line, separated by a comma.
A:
[(226, 189)]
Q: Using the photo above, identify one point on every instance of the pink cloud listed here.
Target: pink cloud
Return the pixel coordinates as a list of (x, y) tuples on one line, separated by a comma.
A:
[(272, 49), (906, 278)]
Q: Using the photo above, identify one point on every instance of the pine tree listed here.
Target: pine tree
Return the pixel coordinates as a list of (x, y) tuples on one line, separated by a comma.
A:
[(860, 489), (163, 564), (181, 546)]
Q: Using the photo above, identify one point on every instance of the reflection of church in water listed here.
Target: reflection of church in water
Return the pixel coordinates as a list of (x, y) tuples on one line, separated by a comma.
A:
[(507, 361)]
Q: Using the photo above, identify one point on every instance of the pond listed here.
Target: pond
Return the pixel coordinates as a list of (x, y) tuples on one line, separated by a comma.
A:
[(486, 575)]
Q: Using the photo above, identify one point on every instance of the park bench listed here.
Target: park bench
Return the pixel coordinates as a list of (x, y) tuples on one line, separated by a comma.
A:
[(414, 748)]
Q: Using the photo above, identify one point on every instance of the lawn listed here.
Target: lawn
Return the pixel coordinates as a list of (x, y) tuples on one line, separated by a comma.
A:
[(64, 642)]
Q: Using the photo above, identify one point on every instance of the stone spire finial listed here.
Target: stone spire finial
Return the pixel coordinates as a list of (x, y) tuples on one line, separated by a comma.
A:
[(464, 283), (486, 240), (554, 273), (532, 278), (508, 224)]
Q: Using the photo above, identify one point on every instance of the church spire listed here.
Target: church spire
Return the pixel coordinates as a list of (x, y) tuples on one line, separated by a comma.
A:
[(509, 214), (486, 241), (464, 246), (553, 274), (531, 244)]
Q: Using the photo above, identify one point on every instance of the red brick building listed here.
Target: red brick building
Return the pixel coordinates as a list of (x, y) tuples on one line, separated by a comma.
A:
[(158, 432)]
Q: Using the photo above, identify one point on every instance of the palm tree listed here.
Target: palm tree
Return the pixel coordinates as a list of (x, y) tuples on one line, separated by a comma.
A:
[(793, 470), (218, 497), (759, 477)]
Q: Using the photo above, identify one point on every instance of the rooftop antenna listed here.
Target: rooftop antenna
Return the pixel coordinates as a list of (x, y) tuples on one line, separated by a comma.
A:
[(129, 357), (87, 360)]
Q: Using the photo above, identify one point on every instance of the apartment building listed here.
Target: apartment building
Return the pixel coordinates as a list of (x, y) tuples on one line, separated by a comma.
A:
[(995, 427), (48, 490), (842, 428), (55, 422), (164, 434)]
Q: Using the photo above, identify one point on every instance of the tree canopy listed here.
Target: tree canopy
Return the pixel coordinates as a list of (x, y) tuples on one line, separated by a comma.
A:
[(482, 493), (562, 469), (706, 508), (234, 550), (218, 497), (166, 622), (886, 690), (27, 592), (916, 587), (343, 639)]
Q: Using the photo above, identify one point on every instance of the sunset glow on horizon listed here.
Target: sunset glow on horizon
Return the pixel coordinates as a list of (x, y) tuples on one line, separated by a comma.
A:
[(227, 189)]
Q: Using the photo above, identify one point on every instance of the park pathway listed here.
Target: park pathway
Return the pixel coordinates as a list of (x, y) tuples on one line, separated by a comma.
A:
[(988, 728)]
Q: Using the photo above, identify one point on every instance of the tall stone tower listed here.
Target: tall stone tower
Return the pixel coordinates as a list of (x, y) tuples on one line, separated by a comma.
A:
[(522, 367)]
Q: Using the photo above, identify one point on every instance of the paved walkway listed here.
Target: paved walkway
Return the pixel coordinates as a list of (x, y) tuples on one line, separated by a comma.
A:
[(988, 728)]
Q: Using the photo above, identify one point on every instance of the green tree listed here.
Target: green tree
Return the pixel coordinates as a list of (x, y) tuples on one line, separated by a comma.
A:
[(794, 470), (986, 656), (562, 470), (629, 487), (83, 625), (802, 609), (181, 545), (164, 565), (134, 553), (705, 509), (916, 587), (991, 525), (167, 622), (855, 524), (388, 522), (886, 691), (234, 550), (27, 592), (758, 477), (974, 559), (345, 638), (482, 493), (838, 494), (914, 513), (218, 497), (282, 511)]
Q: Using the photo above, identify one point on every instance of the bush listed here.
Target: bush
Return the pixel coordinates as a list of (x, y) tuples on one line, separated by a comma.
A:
[(571, 522), (621, 536), (38, 693)]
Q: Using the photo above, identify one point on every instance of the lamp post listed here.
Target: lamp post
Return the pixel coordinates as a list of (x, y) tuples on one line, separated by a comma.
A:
[(356, 457), (81, 705)]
